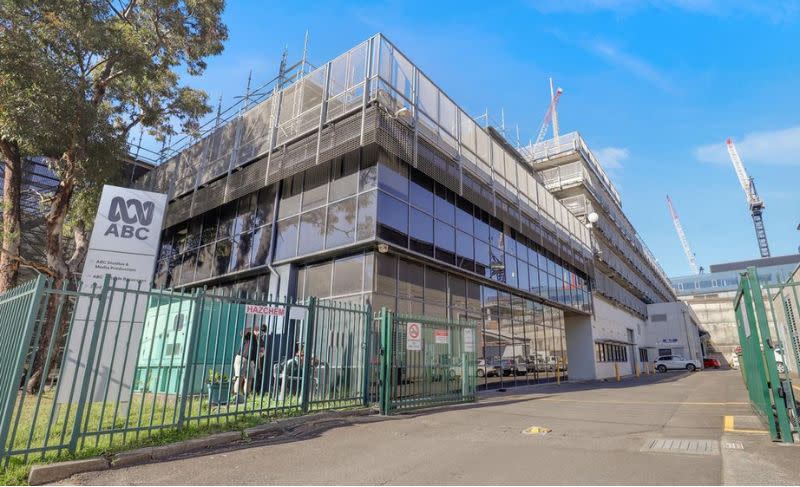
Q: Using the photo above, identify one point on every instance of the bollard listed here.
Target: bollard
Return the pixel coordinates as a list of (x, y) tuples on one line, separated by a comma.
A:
[(616, 370), (636, 368), (558, 371)]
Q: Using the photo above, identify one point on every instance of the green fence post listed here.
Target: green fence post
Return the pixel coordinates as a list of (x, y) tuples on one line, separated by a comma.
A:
[(308, 374), (29, 325), (385, 361), (189, 371), (367, 355), (768, 352), (84, 388)]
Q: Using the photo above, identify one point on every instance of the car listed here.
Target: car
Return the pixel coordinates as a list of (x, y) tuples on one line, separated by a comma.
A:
[(675, 362), (488, 369), (709, 362), (518, 366)]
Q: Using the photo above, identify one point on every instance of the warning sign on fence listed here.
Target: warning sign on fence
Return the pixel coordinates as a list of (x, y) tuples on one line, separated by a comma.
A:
[(469, 340), (414, 336), (441, 336)]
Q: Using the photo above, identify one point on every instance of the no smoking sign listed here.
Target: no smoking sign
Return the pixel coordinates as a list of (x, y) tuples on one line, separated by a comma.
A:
[(414, 336)]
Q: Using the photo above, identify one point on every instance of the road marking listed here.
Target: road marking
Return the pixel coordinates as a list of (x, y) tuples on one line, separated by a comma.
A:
[(687, 403), (536, 430), (729, 427)]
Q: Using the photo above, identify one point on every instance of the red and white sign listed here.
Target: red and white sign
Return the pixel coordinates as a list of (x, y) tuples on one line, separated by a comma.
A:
[(414, 336), (257, 309), (441, 336)]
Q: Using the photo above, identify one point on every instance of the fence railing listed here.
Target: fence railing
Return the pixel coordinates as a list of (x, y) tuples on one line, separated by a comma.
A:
[(86, 367)]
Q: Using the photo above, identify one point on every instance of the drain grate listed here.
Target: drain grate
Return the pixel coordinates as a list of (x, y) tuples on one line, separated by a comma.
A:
[(682, 445)]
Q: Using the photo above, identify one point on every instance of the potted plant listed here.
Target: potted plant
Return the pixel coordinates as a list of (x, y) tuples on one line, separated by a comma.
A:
[(218, 387)]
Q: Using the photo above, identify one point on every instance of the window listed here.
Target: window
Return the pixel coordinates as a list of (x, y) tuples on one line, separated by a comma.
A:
[(392, 219), (421, 191), (340, 227), (611, 352), (286, 244), (445, 238), (347, 275), (421, 232)]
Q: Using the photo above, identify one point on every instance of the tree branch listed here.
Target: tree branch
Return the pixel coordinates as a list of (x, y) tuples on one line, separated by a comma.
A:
[(44, 269)]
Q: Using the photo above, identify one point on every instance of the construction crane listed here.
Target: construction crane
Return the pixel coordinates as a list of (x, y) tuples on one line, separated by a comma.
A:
[(753, 201), (682, 236), (550, 114)]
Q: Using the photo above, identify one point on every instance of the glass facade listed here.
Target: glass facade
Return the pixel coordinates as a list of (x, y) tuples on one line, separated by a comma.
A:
[(421, 215), (521, 341)]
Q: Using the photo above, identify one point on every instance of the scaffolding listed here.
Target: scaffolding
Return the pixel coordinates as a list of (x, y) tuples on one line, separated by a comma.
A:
[(370, 93)]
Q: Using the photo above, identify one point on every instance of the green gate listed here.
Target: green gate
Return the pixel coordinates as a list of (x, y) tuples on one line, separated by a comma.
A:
[(769, 386), (425, 362)]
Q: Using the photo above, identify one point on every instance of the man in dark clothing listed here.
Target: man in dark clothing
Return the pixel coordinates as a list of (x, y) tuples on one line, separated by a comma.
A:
[(247, 357)]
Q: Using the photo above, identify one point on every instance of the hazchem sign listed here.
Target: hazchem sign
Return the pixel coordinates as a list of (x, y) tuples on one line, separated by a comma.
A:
[(257, 309), (414, 336)]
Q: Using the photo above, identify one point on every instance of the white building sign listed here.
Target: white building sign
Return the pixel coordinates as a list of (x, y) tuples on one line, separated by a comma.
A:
[(414, 336), (124, 244)]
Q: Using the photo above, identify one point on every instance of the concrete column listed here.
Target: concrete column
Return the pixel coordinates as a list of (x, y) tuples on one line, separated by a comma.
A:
[(580, 346)]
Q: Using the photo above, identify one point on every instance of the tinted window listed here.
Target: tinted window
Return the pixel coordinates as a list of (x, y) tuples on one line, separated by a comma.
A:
[(347, 275), (421, 191), (366, 215), (340, 227), (421, 232), (392, 219), (312, 231), (286, 241)]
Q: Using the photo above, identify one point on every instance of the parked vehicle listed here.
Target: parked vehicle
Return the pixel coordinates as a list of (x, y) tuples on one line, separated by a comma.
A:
[(675, 362), (518, 366), (709, 362), (488, 369), (507, 365)]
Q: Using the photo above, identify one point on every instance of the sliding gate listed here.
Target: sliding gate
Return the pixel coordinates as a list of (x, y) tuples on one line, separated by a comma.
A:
[(425, 362), (764, 359)]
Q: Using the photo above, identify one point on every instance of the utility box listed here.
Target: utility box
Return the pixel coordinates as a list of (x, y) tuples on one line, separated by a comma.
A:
[(163, 355)]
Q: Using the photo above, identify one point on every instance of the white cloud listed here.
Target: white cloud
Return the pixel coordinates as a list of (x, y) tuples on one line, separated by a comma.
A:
[(612, 157), (634, 65), (777, 147), (773, 11)]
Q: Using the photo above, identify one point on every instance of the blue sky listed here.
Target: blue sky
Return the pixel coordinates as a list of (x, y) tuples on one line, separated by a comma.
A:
[(654, 87)]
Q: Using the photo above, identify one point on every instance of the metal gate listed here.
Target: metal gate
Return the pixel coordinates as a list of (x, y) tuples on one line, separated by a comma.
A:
[(768, 384), (425, 362)]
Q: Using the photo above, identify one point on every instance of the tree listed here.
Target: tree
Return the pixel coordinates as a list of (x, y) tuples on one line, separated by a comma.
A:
[(89, 71)]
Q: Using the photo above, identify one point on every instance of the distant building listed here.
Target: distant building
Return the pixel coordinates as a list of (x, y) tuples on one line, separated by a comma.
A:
[(711, 294)]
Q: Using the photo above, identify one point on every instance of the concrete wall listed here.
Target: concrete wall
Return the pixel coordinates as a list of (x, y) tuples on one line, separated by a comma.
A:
[(580, 346), (715, 315), (612, 323)]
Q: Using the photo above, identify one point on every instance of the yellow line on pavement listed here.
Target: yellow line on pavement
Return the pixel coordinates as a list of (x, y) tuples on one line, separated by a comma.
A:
[(683, 403), (728, 427), (728, 423)]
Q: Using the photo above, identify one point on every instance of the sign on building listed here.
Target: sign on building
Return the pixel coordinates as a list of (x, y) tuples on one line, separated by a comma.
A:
[(124, 245), (469, 340), (414, 336)]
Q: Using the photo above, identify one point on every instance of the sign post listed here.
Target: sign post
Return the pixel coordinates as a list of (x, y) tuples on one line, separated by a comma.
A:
[(124, 246)]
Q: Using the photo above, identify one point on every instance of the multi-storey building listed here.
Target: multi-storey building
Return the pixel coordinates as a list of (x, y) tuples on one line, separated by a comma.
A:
[(627, 277), (363, 181), (711, 295)]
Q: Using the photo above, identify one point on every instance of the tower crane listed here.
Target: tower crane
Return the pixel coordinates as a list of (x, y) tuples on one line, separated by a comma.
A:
[(754, 202), (682, 236), (550, 115)]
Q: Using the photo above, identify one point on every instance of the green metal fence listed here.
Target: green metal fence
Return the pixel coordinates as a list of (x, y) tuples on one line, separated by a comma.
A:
[(119, 362), (425, 362), (769, 386)]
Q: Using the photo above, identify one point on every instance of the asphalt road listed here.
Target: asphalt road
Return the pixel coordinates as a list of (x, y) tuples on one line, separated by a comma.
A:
[(599, 431)]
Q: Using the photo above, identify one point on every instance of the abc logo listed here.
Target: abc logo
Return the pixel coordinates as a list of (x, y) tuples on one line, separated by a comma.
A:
[(135, 217)]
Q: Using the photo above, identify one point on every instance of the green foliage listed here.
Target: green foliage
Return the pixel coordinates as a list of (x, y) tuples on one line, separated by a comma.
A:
[(215, 377), (77, 75)]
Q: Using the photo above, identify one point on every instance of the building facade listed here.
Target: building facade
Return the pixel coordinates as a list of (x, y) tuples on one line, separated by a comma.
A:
[(627, 278), (711, 295), (362, 181)]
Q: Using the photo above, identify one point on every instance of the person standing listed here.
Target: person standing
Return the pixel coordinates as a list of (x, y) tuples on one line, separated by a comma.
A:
[(247, 356)]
